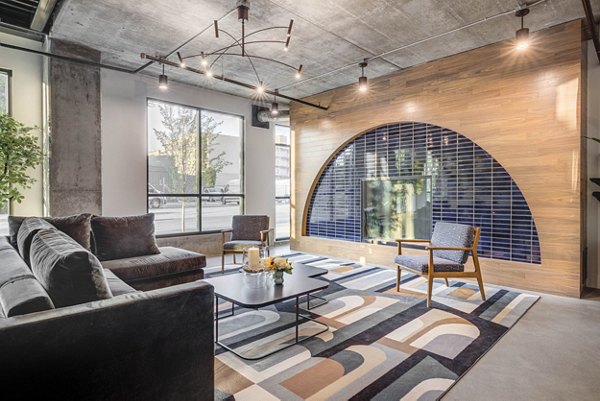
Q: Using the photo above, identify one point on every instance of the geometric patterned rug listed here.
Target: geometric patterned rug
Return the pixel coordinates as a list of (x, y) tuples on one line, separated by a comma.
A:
[(382, 344)]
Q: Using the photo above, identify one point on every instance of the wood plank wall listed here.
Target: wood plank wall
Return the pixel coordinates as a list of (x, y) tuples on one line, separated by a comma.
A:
[(524, 108)]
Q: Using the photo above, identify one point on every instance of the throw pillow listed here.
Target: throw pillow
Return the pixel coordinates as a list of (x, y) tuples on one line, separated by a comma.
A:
[(124, 237), (70, 274), (76, 226), (27, 231)]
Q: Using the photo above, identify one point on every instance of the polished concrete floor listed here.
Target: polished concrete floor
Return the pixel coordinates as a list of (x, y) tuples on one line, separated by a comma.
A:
[(552, 353)]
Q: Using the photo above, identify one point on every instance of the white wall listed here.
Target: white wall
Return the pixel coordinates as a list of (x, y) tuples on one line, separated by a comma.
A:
[(593, 130), (124, 143), (26, 107)]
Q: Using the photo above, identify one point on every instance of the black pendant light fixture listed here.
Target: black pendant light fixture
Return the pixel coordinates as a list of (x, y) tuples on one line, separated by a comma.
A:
[(275, 105), (522, 35), (363, 84), (242, 41), (163, 80)]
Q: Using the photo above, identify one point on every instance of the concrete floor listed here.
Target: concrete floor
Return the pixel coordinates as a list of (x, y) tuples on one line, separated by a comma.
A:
[(552, 354)]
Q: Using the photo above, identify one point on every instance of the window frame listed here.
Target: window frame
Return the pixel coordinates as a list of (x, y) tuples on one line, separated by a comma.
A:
[(9, 74), (288, 197), (199, 195)]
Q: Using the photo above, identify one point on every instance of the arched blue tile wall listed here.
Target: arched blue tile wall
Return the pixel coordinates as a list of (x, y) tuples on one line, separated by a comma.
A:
[(469, 186)]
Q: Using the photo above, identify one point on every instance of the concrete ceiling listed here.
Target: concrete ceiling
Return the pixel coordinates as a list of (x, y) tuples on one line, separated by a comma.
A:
[(330, 37)]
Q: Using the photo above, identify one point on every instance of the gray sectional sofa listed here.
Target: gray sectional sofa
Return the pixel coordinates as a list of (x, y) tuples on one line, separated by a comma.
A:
[(73, 327)]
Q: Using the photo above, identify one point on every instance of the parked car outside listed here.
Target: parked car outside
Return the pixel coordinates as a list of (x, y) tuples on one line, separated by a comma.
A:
[(155, 202)]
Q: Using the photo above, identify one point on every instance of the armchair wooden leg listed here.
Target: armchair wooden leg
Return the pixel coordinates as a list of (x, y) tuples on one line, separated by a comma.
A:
[(429, 289), (222, 262), (478, 276), (446, 280), (234, 262), (398, 275)]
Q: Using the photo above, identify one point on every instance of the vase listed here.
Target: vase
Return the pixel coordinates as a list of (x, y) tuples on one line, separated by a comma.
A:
[(278, 277)]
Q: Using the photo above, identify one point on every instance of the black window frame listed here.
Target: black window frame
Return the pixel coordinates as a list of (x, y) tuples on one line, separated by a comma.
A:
[(288, 197), (199, 196)]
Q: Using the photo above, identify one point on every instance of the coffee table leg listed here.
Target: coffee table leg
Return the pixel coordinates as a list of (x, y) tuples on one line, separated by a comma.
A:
[(297, 317), (217, 319), (309, 296)]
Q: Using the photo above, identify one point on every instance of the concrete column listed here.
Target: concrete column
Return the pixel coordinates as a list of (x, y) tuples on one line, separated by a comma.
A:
[(75, 176)]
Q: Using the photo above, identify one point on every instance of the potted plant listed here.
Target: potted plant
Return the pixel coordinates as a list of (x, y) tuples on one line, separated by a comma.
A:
[(19, 151)]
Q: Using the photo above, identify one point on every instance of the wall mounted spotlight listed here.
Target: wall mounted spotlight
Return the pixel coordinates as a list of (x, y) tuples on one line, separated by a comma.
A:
[(522, 35), (163, 80), (363, 84)]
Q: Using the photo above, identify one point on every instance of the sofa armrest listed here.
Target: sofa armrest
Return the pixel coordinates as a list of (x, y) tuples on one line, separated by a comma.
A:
[(157, 345)]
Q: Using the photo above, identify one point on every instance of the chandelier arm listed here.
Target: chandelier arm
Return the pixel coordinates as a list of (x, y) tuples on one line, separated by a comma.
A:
[(267, 29), (218, 51), (262, 58), (246, 55)]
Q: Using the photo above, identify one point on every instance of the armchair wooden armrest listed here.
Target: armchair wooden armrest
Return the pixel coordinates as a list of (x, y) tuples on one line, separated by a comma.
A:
[(223, 232), (447, 248), (400, 241), (264, 234)]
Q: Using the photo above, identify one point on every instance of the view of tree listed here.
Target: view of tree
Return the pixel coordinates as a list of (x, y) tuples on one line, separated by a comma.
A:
[(179, 141), (211, 164)]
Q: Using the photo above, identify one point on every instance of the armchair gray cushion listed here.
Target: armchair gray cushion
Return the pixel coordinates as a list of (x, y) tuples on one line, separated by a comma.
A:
[(240, 245), (420, 263), (247, 227), (452, 235)]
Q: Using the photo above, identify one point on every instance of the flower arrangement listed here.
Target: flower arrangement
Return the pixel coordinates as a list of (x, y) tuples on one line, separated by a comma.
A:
[(277, 264)]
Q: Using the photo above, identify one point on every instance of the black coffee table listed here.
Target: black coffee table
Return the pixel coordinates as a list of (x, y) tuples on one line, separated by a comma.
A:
[(231, 288)]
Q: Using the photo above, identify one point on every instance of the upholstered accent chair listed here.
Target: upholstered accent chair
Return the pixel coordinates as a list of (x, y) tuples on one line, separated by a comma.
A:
[(448, 251), (246, 232)]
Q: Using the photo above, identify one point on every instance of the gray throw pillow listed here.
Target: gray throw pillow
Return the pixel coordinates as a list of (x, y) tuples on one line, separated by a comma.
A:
[(28, 229), (76, 226), (70, 274), (123, 237)]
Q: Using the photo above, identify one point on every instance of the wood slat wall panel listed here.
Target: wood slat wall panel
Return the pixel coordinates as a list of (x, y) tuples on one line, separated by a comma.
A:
[(522, 108)]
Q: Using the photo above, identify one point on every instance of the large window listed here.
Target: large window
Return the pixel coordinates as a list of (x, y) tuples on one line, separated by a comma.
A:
[(282, 182), (4, 109), (195, 168)]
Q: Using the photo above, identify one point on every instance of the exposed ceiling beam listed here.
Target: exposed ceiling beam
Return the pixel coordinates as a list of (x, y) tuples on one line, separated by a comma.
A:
[(589, 15), (42, 14)]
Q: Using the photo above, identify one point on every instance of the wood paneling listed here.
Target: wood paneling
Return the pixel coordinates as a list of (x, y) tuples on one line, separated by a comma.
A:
[(524, 108)]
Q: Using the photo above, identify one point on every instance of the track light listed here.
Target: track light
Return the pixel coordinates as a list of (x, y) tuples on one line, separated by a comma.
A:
[(181, 62), (289, 31), (298, 74), (363, 84), (287, 44), (522, 35), (163, 80)]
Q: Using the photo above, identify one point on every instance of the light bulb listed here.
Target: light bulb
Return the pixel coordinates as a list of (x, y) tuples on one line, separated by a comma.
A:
[(209, 73), (204, 62), (363, 86), (260, 89), (163, 82)]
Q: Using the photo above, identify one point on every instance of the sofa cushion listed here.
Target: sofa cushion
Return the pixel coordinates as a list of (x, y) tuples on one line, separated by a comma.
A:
[(70, 273), (168, 262), (20, 292), (27, 231), (116, 285), (124, 237), (76, 226)]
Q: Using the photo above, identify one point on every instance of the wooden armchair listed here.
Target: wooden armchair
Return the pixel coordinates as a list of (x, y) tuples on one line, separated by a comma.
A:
[(246, 232), (448, 251)]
